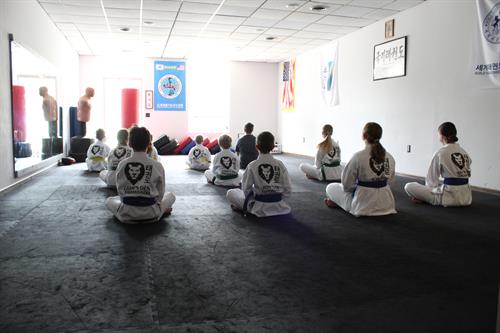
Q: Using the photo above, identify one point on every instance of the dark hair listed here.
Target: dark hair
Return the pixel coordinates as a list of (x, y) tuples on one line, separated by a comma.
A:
[(122, 136), (372, 132), (100, 134), (139, 138), (265, 142), (248, 128), (449, 131)]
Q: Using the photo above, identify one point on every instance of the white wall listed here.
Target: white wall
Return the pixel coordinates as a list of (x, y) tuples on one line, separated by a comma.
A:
[(33, 29), (254, 92), (439, 86), (252, 95)]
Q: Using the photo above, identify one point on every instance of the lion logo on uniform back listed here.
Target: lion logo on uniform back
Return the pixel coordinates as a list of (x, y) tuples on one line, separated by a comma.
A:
[(266, 172), (458, 159), (226, 161), (376, 167), (120, 152), (95, 149), (134, 172)]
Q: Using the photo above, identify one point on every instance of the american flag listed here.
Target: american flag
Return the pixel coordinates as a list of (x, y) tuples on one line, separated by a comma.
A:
[(287, 97)]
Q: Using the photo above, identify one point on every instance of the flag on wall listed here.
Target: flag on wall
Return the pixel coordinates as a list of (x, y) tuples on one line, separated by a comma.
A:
[(487, 60), (288, 90), (329, 74)]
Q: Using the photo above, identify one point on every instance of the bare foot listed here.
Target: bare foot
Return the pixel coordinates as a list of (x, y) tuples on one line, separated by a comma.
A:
[(167, 213), (330, 203), (415, 200)]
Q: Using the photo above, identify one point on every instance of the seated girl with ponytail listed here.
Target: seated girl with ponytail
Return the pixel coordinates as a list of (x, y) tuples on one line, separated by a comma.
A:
[(364, 188), (452, 163), (327, 163)]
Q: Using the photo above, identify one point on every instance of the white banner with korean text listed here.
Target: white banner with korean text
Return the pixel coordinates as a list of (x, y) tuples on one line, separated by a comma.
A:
[(487, 55), (329, 55)]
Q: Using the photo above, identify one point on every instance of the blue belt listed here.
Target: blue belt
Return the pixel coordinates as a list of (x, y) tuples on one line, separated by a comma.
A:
[(456, 181), (374, 184), (273, 197), (139, 201)]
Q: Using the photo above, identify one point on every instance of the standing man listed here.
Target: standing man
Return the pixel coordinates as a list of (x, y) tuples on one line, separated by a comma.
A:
[(83, 114), (49, 106)]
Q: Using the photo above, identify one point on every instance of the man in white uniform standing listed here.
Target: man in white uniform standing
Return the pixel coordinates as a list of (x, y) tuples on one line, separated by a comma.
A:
[(452, 163), (140, 182)]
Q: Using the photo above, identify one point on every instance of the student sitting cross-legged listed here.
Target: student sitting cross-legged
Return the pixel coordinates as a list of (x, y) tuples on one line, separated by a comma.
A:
[(121, 152), (140, 182), (226, 166), (365, 180), (327, 163), (199, 156), (265, 183), (97, 152), (452, 163)]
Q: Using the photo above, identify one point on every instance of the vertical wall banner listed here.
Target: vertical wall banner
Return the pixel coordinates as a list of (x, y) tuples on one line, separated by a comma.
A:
[(170, 86), (329, 74), (288, 92), (487, 59)]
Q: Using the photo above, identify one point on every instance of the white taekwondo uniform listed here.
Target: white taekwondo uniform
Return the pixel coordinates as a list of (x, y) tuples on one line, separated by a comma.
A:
[(199, 157), (96, 156), (326, 165), (116, 155), (140, 182), (264, 186), (452, 163), (364, 188), (225, 169)]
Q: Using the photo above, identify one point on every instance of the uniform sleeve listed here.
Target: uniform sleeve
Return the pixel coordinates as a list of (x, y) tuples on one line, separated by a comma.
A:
[(216, 164), (190, 155), (432, 179), (392, 175), (339, 151), (287, 185), (110, 160), (209, 155), (237, 166), (119, 177), (319, 158), (247, 181), (350, 175), (89, 151)]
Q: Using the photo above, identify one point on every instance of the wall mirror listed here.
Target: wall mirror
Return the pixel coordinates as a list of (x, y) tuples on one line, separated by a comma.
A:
[(36, 115)]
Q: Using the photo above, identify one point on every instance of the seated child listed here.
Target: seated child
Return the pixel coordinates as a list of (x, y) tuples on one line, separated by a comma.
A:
[(364, 188), (122, 151), (151, 151), (245, 148), (226, 165), (140, 182), (199, 156), (327, 163), (452, 163), (265, 183), (97, 152)]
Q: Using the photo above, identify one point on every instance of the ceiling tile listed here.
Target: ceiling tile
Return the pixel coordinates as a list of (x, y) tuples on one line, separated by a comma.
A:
[(245, 3), (168, 6), (288, 24), (370, 3), (270, 14), (225, 19), (380, 14), (306, 8), (280, 32), (282, 4), (191, 17), (199, 8), (304, 17), (345, 21), (352, 11), (403, 4), (316, 35), (129, 4), (243, 11), (243, 36), (260, 22)]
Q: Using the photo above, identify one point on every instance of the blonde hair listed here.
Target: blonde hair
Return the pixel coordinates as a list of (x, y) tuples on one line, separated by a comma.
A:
[(326, 145)]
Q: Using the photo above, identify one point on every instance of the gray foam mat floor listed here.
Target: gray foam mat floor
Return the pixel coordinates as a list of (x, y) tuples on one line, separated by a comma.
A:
[(67, 266)]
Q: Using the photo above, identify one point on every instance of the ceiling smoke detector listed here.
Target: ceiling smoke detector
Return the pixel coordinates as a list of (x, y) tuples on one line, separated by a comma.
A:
[(318, 8), (148, 22), (125, 29)]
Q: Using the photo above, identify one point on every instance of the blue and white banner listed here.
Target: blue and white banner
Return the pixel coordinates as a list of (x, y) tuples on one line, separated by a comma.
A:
[(487, 60), (170, 86), (329, 74)]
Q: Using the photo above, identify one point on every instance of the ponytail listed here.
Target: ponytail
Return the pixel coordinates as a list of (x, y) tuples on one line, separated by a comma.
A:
[(372, 133), (326, 145)]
